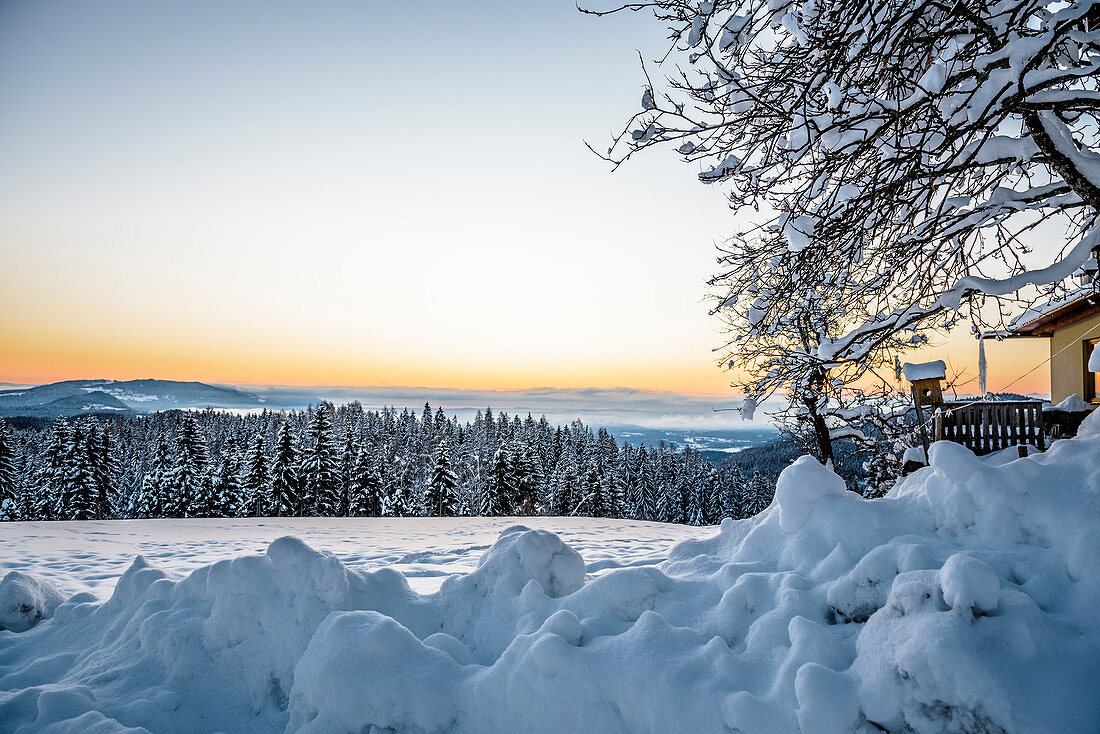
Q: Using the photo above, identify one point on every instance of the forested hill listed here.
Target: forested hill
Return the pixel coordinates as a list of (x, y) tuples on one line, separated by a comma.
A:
[(78, 397), (347, 461)]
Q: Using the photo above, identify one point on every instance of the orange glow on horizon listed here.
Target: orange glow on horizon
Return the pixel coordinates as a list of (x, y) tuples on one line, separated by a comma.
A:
[(36, 358)]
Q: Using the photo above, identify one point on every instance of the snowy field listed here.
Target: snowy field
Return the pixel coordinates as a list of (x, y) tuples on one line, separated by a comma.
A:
[(965, 601), (90, 556)]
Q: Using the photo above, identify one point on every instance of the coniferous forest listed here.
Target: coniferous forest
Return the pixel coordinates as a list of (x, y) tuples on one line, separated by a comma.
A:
[(345, 461)]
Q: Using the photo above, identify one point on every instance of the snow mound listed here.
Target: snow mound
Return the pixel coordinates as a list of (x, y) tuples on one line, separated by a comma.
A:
[(964, 601), (25, 600), (1072, 404), (800, 487)]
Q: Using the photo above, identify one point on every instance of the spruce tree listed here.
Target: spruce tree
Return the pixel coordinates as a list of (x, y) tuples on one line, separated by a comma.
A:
[(188, 482), (401, 499), (366, 487), (256, 482), (51, 474), (669, 506), (103, 468), (320, 466), (496, 501), (592, 499), (710, 501), (759, 494), (427, 424), (227, 485), (9, 494), (563, 485), (285, 500), (348, 458), (647, 489), (440, 498), (528, 477), (732, 494), (77, 495), (151, 499)]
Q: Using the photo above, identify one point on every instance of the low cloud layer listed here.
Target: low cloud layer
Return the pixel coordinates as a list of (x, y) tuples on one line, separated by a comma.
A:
[(600, 406)]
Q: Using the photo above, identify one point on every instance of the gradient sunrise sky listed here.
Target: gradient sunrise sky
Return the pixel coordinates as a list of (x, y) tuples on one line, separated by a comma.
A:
[(350, 193)]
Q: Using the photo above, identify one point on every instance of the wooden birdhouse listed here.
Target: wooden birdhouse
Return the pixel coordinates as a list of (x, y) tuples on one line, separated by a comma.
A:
[(926, 380)]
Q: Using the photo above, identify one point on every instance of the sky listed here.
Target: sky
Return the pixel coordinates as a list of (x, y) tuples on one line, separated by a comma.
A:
[(351, 193)]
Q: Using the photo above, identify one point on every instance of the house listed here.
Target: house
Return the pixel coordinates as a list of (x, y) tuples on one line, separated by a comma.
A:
[(1072, 324)]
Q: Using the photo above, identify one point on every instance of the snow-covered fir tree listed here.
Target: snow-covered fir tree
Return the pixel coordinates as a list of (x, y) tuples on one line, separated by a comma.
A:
[(286, 497), (320, 467), (256, 482), (758, 495), (499, 486), (441, 498), (148, 500), (366, 486), (9, 490), (731, 495), (160, 465), (227, 483), (188, 482)]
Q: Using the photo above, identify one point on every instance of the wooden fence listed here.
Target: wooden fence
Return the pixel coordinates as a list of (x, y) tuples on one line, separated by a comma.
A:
[(987, 427)]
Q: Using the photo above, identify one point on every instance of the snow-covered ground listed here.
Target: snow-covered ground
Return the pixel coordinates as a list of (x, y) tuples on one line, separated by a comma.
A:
[(965, 601), (90, 556)]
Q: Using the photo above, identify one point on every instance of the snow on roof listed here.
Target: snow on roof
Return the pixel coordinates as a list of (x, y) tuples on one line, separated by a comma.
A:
[(1072, 404), (1042, 309), (925, 370)]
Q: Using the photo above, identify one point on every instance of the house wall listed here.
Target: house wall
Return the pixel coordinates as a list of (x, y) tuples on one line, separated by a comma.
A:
[(1067, 370)]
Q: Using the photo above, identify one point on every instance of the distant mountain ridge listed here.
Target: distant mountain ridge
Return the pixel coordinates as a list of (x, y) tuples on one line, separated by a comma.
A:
[(76, 397)]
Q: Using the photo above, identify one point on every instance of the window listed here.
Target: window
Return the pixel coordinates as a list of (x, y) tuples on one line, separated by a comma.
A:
[(1092, 379)]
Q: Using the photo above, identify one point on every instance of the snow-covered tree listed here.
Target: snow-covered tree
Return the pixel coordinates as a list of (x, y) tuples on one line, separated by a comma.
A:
[(348, 458), (528, 477), (9, 490), (159, 465), (440, 498), (51, 472), (731, 493), (320, 465), (150, 499), (648, 493), (757, 495), (255, 482), (366, 488), (285, 484), (892, 157), (78, 492), (103, 469), (188, 482), (563, 484), (227, 485), (500, 484)]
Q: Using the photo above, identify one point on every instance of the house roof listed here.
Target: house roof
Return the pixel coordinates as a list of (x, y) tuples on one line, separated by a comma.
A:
[(1046, 318)]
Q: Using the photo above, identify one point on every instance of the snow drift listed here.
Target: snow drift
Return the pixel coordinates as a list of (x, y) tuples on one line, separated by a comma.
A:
[(964, 601)]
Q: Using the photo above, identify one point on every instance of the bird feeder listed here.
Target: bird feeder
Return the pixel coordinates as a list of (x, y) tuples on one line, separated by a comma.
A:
[(926, 379)]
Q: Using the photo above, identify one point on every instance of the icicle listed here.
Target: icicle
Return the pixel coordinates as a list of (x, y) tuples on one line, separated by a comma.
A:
[(983, 366)]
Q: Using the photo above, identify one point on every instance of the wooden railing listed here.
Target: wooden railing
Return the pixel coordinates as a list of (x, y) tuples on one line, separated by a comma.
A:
[(987, 427)]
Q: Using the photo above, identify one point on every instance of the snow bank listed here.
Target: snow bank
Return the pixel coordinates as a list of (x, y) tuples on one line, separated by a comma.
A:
[(964, 601)]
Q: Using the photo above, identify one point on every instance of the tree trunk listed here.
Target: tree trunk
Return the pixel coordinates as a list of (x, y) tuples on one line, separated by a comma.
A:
[(821, 432)]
